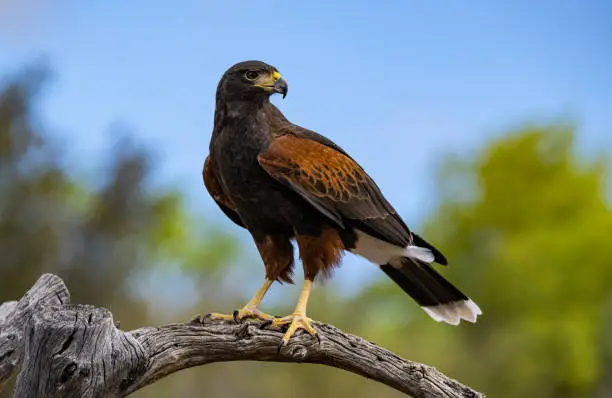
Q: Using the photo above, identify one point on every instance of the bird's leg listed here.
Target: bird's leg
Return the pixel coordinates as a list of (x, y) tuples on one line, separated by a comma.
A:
[(251, 309), (298, 320)]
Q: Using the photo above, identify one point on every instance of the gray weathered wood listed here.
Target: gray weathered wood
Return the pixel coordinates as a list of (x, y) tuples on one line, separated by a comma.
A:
[(76, 351), (14, 316), (6, 309)]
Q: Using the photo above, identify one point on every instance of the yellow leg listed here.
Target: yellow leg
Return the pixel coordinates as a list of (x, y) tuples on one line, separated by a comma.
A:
[(251, 309), (298, 320)]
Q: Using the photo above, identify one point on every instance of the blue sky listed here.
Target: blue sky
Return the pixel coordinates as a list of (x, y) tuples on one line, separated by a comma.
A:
[(398, 84)]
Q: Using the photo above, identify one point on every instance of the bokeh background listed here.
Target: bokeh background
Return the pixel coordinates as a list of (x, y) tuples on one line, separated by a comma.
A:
[(487, 124)]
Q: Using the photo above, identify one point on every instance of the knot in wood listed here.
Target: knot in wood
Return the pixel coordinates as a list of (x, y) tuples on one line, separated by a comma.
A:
[(297, 352), (243, 332)]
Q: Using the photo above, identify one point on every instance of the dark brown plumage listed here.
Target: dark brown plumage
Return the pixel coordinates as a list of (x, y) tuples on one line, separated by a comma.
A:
[(283, 182)]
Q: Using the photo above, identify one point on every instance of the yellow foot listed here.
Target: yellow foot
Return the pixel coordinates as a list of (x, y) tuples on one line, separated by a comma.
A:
[(238, 315), (296, 322)]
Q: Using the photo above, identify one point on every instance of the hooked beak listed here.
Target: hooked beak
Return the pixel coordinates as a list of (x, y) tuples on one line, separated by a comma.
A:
[(274, 84), (280, 85)]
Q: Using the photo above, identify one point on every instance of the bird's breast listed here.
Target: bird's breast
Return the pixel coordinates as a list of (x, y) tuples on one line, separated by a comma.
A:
[(234, 154)]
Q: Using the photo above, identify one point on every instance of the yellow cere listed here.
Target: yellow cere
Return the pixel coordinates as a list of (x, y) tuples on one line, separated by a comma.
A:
[(276, 76)]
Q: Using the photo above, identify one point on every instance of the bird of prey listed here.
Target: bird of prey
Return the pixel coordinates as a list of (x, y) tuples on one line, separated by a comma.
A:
[(283, 182)]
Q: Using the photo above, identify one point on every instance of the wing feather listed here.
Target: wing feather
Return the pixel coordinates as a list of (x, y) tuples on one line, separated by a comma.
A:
[(216, 192), (334, 184)]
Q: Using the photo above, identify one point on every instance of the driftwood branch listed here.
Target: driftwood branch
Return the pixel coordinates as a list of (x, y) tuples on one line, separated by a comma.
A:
[(77, 351), (49, 291)]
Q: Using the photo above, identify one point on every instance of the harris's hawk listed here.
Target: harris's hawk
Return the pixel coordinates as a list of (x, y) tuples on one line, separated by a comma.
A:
[(283, 182)]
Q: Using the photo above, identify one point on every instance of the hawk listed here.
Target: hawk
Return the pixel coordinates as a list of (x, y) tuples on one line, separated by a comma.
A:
[(283, 182)]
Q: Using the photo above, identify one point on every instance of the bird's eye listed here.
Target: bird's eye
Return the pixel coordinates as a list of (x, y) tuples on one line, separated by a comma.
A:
[(251, 75)]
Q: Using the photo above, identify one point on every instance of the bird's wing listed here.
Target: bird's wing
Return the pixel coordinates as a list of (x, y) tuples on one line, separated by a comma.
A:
[(334, 184), (214, 189)]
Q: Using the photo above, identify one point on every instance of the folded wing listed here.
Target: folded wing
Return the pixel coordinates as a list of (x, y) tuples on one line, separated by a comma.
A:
[(216, 192), (334, 184)]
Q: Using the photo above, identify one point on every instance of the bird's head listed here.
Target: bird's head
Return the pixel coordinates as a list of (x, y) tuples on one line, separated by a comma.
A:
[(251, 80)]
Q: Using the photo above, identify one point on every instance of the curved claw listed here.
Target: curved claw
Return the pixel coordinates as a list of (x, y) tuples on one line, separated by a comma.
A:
[(296, 322)]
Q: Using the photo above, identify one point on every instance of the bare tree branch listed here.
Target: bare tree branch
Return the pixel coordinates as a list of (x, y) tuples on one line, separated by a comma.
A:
[(48, 291), (76, 351)]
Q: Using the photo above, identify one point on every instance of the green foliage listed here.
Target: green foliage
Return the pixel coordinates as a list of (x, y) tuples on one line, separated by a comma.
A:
[(530, 244), (178, 236)]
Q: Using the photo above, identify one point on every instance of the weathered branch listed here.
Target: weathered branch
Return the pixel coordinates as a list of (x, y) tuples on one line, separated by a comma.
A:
[(77, 351), (48, 291)]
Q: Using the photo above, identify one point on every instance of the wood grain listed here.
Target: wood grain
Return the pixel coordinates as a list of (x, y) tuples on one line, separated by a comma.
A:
[(77, 351)]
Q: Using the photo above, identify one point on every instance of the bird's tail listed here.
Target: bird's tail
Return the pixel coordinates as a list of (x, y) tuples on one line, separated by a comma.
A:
[(438, 297)]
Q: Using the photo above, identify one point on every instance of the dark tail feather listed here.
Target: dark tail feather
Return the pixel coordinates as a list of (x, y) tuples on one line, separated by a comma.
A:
[(420, 242), (437, 296)]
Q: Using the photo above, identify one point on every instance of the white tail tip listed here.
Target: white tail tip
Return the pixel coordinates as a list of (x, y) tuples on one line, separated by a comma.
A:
[(452, 313)]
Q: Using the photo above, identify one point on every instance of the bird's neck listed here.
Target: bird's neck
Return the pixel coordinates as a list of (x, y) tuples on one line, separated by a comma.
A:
[(242, 122), (239, 108)]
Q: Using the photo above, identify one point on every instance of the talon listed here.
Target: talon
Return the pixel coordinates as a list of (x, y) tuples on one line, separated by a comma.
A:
[(239, 315), (295, 322), (250, 310)]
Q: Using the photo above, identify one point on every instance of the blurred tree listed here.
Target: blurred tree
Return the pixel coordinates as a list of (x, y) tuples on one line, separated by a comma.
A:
[(98, 239), (526, 227)]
